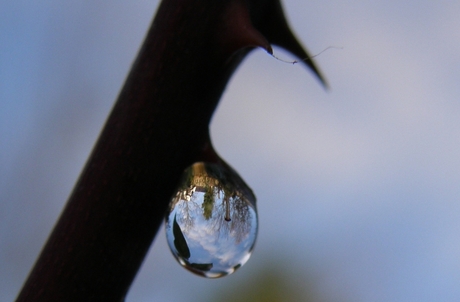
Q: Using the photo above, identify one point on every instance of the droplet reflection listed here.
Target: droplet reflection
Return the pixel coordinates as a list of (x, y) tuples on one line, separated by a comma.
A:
[(211, 225)]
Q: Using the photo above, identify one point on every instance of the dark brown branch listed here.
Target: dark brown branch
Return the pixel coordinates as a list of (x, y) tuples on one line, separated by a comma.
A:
[(158, 127)]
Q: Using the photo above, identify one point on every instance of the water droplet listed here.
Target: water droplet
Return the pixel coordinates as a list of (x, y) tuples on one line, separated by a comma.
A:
[(211, 225)]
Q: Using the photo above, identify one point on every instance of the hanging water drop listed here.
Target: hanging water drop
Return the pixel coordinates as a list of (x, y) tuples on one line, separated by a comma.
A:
[(211, 224)]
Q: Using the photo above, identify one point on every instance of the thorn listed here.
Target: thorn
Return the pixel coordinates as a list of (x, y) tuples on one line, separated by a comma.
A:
[(239, 32), (272, 23)]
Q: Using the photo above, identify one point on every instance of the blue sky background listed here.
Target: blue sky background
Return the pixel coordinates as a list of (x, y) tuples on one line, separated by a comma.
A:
[(358, 187)]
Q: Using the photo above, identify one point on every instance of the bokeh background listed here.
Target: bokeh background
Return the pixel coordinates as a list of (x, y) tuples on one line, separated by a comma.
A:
[(358, 187)]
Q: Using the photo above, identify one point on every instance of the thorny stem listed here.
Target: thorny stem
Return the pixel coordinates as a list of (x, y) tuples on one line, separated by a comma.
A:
[(157, 128)]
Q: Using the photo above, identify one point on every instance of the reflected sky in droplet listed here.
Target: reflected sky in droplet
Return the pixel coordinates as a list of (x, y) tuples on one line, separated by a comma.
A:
[(211, 226)]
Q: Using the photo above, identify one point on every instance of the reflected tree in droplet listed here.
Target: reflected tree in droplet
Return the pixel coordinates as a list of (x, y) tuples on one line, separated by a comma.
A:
[(211, 225)]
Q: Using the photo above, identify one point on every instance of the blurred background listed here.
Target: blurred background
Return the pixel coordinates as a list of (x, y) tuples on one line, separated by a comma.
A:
[(358, 187)]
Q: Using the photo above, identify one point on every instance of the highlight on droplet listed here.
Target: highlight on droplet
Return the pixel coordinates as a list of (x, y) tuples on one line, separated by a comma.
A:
[(211, 223)]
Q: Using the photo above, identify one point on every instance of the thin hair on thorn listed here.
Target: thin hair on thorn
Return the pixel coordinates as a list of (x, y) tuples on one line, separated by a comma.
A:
[(308, 58)]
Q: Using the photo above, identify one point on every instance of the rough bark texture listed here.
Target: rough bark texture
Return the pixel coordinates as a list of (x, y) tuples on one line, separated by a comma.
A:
[(158, 127)]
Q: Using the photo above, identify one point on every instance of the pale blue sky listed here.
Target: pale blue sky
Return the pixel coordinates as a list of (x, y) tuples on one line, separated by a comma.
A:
[(357, 187)]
